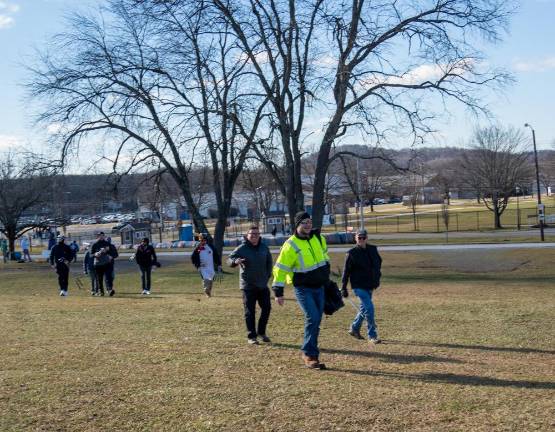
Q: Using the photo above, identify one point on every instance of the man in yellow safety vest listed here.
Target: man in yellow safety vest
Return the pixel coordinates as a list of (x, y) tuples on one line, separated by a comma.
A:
[(304, 262)]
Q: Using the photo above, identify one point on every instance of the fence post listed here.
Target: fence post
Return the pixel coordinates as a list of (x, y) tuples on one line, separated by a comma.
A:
[(397, 223), (457, 218), (437, 221), (376, 219), (477, 221)]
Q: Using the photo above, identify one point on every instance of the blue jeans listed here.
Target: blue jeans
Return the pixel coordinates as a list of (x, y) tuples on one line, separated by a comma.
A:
[(311, 301), (366, 312)]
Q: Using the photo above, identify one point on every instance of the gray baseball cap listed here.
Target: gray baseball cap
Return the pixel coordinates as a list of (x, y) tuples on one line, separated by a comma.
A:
[(362, 232)]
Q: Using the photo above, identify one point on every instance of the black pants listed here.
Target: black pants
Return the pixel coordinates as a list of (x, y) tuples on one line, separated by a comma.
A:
[(101, 272), (250, 298), (110, 275), (63, 275), (145, 276)]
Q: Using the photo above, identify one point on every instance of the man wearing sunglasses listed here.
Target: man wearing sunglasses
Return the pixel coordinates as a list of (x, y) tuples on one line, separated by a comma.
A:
[(363, 269)]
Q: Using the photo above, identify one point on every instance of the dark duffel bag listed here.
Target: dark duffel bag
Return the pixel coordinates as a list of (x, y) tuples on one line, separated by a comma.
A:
[(333, 299)]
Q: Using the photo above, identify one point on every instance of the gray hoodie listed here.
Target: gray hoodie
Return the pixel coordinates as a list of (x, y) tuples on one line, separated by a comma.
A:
[(257, 269)]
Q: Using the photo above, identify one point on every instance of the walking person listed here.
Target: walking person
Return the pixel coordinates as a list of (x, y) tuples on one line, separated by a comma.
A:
[(88, 269), (255, 261), (60, 257), (25, 244), (145, 257), (304, 262), (4, 249), (74, 248), (363, 270), (102, 253), (206, 259), (110, 274)]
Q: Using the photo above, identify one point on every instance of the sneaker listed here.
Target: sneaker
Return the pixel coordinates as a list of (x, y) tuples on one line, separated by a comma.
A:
[(147, 292), (143, 292), (112, 292), (63, 293), (265, 338), (375, 340), (356, 334), (93, 293), (252, 341), (208, 293)]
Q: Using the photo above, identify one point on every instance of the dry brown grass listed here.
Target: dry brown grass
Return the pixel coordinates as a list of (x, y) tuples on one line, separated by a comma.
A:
[(468, 345)]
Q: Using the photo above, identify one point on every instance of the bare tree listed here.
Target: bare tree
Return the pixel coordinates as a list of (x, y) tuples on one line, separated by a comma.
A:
[(497, 164), (263, 188), (159, 81), (364, 66), (23, 187)]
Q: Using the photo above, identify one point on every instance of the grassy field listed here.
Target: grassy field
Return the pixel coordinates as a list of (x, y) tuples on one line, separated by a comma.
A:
[(468, 345)]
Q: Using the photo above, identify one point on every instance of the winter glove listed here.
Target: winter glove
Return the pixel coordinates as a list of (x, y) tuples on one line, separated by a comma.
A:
[(278, 291), (157, 264), (344, 292)]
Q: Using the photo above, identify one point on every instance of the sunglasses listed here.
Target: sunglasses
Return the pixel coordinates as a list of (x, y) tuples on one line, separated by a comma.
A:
[(361, 237)]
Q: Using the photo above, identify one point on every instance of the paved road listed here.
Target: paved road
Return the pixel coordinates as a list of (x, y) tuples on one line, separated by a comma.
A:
[(461, 234), (398, 248)]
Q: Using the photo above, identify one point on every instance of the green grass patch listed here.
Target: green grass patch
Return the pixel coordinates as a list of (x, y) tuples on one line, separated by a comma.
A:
[(468, 345)]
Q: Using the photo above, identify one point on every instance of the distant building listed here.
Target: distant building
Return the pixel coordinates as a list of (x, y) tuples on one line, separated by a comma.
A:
[(134, 232)]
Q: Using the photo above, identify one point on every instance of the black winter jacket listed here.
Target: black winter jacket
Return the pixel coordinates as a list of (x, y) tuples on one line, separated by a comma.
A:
[(104, 252), (59, 253), (257, 269), (362, 268), (145, 256)]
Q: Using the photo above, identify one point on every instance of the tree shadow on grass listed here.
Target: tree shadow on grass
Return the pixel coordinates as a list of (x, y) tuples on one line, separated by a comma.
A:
[(385, 357), (474, 347), (183, 293), (447, 378)]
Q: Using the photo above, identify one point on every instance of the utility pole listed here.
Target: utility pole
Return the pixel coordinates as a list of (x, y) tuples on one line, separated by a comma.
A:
[(541, 214), (359, 196)]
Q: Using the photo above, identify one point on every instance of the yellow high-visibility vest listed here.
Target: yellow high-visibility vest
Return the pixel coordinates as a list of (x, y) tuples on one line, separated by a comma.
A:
[(299, 256)]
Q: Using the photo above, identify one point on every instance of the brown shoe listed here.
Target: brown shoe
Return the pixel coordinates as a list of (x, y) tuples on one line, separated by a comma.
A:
[(312, 362)]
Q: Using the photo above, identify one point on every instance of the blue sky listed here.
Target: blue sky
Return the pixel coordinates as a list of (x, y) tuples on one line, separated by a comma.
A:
[(528, 51)]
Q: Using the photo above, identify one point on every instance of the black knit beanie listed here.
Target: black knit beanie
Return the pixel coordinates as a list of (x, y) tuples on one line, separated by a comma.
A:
[(301, 216)]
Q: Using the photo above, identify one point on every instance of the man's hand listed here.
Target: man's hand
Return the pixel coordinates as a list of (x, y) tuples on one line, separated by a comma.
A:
[(280, 301), (240, 261), (344, 292)]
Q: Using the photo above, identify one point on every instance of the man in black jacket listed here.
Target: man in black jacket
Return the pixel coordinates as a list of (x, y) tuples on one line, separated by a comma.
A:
[(60, 257), (363, 269), (145, 256), (255, 260), (88, 269), (104, 254)]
